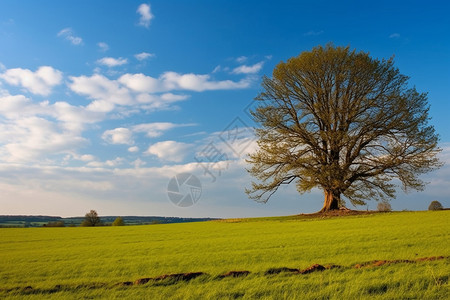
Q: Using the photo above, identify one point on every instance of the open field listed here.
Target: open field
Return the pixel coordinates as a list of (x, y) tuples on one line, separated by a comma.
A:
[(74, 263)]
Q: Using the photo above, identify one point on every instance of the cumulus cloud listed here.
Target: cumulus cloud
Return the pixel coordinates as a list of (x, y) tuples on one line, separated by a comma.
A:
[(145, 15), (244, 69), (175, 81), (143, 56), (68, 34), (118, 136), (39, 82), (112, 62), (141, 83), (129, 89), (199, 83), (31, 138), (106, 93), (169, 150), (124, 136), (156, 129), (103, 46), (33, 131)]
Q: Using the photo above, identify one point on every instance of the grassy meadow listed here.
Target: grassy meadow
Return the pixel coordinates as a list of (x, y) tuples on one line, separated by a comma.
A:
[(89, 262)]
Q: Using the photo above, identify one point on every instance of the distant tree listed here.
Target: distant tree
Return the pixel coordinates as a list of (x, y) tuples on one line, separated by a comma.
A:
[(91, 219), (384, 206), (118, 222), (54, 224), (344, 122), (435, 205)]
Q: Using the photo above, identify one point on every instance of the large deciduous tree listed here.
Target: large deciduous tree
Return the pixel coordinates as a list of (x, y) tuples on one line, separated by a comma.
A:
[(344, 122)]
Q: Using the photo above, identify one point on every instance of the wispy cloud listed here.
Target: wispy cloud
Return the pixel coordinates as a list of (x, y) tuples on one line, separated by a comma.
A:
[(103, 46), (156, 129), (241, 59), (313, 33), (68, 34), (244, 69), (112, 62), (143, 56), (145, 15), (394, 36)]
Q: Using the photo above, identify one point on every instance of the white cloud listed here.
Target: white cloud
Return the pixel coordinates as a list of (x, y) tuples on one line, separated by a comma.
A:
[(33, 138), (112, 62), (118, 136), (129, 89), (199, 83), (143, 56), (241, 59), (104, 91), (103, 46), (244, 69), (141, 83), (169, 150), (32, 131), (156, 129), (40, 82), (87, 157), (394, 36), (68, 34), (174, 81), (145, 15), (133, 149), (109, 163), (169, 97)]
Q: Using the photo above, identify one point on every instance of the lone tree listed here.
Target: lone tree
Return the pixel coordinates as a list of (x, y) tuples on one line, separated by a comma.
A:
[(118, 222), (435, 205), (91, 219), (344, 122)]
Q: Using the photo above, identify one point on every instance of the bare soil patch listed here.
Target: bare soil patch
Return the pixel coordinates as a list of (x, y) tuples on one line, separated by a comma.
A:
[(234, 274)]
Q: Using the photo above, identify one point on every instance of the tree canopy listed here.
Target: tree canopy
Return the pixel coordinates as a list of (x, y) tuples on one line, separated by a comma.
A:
[(91, 219), (118, 222), (344, 122)]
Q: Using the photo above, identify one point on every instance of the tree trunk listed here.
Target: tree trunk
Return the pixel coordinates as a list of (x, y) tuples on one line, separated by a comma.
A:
[(332, 200)]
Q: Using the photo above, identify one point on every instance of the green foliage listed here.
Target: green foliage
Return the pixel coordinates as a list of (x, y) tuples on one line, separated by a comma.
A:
[(118, 222), (344, 122), (91, 219), (435, 205), (54, 224), (384, 206), (87, 262)]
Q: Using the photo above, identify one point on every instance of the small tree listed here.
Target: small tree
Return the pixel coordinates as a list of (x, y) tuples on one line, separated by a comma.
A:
[(91, 219), (118, 222), (435, 205), (384, 206)]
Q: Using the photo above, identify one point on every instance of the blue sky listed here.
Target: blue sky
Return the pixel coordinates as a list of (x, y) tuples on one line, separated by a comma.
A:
[(103, 102)]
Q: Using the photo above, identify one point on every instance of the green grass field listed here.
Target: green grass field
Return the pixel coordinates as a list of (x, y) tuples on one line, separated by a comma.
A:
[(77, 263)]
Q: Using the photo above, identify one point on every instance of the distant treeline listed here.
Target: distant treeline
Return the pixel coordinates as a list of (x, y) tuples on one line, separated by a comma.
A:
[(15, 221)]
